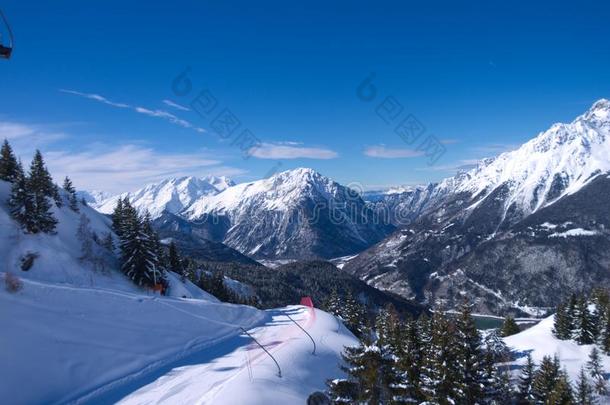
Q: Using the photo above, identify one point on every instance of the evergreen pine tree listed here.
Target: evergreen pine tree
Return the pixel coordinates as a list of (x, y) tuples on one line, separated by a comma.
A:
[(525, 385), (174, 261), (409, 351), (496, 347), (21, 202), (365, 367), (545, 378), (9, 169), (509, 327), (354, 315), (469, 357), (118, 216), (583, 328), (40, 185), (584, 390), (333, 304), (139, 260), (596, 371), (439, 374), (561, 393), (154, 251), (604, 338), (72, 199), (562, 323)]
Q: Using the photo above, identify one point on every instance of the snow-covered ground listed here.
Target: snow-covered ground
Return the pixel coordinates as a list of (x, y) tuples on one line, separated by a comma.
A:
[(77, 334), (539, 342), (238, 371)]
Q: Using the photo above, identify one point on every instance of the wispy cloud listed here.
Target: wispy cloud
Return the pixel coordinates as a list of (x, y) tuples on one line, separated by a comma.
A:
[(141, 110), (96, 97), (383, 152), (291, 150), (129, 167), (175, 105), (494, 149), (28, 136), (460, 165), (108, 167)]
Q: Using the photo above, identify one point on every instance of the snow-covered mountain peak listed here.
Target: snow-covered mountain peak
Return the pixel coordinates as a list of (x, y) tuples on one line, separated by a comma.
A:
[(278, 192), (557, 162), (173, 195)]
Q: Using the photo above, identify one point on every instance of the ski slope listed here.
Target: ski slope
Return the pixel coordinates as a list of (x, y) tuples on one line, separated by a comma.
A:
[(238, 371)]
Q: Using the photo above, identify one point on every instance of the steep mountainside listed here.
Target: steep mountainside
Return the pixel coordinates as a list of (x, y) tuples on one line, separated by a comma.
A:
[(489, 206), (294, 214), (193, 239)]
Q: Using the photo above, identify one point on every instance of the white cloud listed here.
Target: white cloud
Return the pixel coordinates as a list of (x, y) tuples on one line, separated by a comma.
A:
[(129, 167), (383, 152), (96, 97), (175, 105), (141, 110), (290, 150), (27, 137)]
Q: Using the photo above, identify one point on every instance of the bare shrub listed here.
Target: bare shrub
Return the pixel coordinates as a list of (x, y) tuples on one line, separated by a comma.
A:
[(12, 283)]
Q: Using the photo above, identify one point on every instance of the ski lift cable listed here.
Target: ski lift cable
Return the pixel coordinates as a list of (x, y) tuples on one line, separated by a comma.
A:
[(11, 40)]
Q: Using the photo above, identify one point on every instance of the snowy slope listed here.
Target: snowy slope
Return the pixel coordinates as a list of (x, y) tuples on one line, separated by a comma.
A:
[(539, 341), (241, 373), (67, 341), (73, 333), (173, 195)]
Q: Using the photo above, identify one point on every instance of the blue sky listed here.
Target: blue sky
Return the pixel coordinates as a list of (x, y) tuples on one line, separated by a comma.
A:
[(91, 84)]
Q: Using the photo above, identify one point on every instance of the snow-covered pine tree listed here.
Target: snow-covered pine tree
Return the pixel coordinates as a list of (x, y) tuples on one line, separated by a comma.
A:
[(561, 393), (495, 384), (365, 366), (469, 353), (387, 328), (509, 327), (604, 336), (439, 372), (583, 324), (545, 378), (118, 216), (154, 250), (138, 261), (333, 304), (72, 199), (584, 390), (495, 345), (525, 385), (8, 163), (562, 323), (40, 185), (596, 371), (21, 202), (409, 352), (354, 314)]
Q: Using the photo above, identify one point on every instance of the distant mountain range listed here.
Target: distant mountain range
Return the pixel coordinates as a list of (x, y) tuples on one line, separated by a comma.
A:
[(519, 230), (512, 233)]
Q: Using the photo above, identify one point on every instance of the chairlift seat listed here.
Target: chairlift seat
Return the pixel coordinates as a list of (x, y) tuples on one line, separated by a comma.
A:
[(5, 52)]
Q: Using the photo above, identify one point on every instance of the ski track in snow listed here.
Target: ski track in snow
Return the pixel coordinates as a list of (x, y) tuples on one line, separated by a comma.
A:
[(211, 375)]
